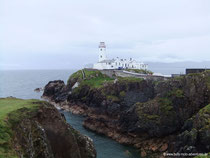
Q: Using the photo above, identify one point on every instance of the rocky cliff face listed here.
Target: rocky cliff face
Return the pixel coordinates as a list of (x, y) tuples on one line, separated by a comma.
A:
[(44, 133), (155, 117)]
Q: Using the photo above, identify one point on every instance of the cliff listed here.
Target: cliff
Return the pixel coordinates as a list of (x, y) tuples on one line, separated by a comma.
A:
[(33, 128), (153, 116)]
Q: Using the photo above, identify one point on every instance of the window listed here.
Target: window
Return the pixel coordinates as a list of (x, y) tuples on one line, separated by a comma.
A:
[(101, 49), (101, 56)]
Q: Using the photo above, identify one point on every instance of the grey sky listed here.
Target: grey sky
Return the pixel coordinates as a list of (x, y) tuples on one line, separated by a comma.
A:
[(53, 34)]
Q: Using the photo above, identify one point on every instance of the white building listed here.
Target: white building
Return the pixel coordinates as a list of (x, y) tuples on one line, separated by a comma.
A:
[(105, 63)]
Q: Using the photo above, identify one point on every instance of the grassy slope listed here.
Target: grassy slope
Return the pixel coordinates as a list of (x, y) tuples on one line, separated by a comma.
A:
[(93, 79), (8, 106), (141, 71), (96, 79)]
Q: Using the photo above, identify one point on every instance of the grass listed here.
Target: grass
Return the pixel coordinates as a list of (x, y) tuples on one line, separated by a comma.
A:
[(76, 75), (90, 74), (122, 94), (208, 82), (129, 79), (10, 106), (204, 115), (205, 155), (141, 71), (165, 105), (113, 98), (97, 82), (145, 115), (206, 109), (177, 93), (94, 79)]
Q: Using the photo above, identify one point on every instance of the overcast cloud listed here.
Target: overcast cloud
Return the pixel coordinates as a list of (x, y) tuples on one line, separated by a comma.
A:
[(55, 34)]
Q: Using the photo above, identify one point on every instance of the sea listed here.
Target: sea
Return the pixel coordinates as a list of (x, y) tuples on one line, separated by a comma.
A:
[(21, 84)]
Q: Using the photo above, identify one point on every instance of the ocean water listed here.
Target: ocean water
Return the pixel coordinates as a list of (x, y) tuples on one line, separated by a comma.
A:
[(21, 84)]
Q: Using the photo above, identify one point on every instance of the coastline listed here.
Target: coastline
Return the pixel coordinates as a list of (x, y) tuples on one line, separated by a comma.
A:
[(142, 144), (143, 113)]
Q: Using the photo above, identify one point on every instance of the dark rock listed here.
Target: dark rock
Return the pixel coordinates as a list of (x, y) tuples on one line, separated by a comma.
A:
[(38, 89), (56, 91), (196, 137), (148, 110), (45, 134)]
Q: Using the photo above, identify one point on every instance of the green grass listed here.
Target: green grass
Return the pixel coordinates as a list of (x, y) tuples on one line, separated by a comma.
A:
[(147, 116), (165, 105), (206, 155), (94, 79), (76, 75), (113, 98), (208, 82), (122, 94), (97, 79), (206, 109), (97, 82), (177, 93), (10, 106), (204, 115), (141, 71), (129, 79), (95, 73)]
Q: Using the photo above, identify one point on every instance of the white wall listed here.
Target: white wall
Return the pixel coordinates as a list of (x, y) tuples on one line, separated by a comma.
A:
[(102, 54)]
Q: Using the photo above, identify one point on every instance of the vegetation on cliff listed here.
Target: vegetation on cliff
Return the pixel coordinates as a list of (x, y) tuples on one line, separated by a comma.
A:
[(141, 71), (168, 111), (33, 128), (8, 107), (93, 79), (195, 133), (96, 82), (106, 88)]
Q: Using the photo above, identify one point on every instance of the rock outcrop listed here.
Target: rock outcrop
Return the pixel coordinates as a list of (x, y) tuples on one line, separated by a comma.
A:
[(154, 116), (44, 133)]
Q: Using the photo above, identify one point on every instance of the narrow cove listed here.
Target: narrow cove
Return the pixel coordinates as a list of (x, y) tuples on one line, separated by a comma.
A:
[(105, 147)]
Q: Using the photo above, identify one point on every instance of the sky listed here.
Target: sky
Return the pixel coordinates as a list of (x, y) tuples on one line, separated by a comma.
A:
[(64, 34)]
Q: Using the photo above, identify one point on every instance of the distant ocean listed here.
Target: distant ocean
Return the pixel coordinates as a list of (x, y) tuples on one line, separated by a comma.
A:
[(168, 71), (21, 84), (176, 68)]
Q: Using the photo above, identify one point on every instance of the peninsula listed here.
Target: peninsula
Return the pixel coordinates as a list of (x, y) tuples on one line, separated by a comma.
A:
[(155, 116)]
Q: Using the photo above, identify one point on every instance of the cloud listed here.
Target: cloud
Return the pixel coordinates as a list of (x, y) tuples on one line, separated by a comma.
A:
[(149, 30)]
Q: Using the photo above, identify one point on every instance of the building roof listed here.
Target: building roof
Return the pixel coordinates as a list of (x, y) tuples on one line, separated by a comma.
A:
[(107, 61)]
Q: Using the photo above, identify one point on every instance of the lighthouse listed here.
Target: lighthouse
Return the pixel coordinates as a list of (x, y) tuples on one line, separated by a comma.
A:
[(102, 51), (106, 64)]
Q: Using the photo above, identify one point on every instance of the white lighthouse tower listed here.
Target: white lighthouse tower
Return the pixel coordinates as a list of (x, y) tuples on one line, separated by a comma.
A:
[(106, 64), (102, 52)]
